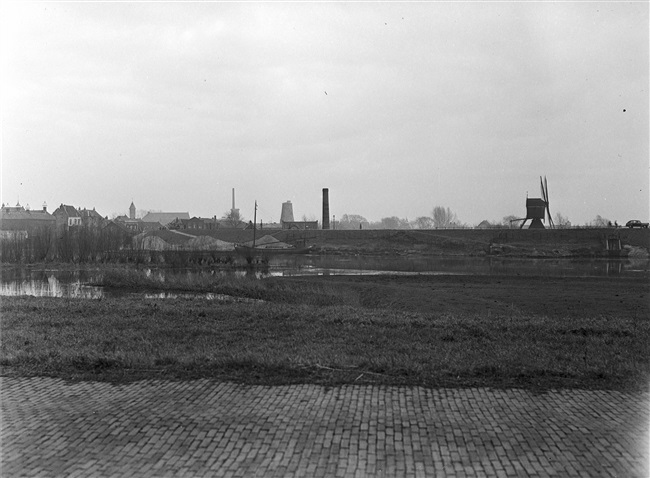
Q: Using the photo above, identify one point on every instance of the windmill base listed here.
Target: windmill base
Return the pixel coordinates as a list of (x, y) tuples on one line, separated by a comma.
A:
[(536, 223)]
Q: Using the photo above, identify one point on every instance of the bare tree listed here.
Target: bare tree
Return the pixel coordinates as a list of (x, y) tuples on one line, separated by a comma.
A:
[(233, 218), (443, 218), (512, 222), (423, 222), (394, 222), (140, 213), (561, 222), (600, 222), (352, 221)]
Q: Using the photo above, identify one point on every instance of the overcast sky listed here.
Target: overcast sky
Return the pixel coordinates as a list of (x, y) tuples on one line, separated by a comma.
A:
[(395, 107)]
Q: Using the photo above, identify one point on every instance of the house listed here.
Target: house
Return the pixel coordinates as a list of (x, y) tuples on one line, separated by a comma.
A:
[(165, 218), (146, 226), (301, 225), (136, 226), (91, 218), (67, 217), (202, 223), (485, 224), (194, 223), (17, 221), (116, 236), (131, 225)]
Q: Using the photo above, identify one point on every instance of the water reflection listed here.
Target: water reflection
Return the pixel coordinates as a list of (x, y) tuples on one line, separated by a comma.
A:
[(372, 265), (207, 296), (75, 283), (51, 287)]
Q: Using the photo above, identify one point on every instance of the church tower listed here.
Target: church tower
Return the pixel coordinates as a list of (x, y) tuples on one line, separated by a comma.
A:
[(132, 211)]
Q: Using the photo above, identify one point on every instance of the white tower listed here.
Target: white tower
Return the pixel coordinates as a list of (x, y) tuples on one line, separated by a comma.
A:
[(287, 212)]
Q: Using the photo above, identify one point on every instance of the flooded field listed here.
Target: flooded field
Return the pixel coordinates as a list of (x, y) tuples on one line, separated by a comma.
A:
[(77, 283)]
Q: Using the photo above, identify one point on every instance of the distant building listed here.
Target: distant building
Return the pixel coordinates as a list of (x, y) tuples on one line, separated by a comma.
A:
[(67, 217), (16, 221), (195, 223), (287, 212), (132, 225), (269, 225), (485, 224), (91, 218), (301, 225), (287, 222), (165, 218), (135, 226), (116, 235)]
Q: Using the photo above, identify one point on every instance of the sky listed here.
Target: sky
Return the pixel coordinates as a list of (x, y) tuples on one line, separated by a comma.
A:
[(395, 107)]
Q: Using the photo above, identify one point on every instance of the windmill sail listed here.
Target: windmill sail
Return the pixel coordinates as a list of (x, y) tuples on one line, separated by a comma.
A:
[(544, 198), (548, 209)]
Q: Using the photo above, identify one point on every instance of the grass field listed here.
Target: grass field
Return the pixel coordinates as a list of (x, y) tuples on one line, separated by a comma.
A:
[(406, 330)]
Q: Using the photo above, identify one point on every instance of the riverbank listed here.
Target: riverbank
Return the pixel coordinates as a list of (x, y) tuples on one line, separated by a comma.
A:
[(460, 331), (198, 248), (531, 243)]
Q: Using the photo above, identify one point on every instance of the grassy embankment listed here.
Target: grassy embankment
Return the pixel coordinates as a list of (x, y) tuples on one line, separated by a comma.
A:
[(431, 331)]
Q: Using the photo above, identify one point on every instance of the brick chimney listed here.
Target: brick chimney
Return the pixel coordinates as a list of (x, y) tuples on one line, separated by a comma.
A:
[(326, 208)]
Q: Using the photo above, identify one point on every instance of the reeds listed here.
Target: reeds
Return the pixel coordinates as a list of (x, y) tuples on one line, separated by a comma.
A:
[(231, 283)]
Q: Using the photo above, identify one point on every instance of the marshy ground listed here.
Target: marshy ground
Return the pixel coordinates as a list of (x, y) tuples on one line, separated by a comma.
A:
[(512, 331)]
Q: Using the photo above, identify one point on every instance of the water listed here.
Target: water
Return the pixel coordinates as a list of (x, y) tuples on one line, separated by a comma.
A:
[(49, 283), (76, 283), (366, 265)]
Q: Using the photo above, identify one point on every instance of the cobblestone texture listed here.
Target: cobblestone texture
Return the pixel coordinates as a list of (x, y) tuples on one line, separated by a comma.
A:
[(205, 428)]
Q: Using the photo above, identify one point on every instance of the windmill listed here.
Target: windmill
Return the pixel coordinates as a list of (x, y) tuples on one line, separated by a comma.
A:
[(538, 208)]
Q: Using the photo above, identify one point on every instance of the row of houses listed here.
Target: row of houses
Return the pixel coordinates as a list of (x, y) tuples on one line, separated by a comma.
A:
[(171, 220), (24, 221), (20, 221)]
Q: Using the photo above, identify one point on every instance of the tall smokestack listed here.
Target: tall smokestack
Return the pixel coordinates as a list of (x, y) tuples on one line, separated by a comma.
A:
[(326, 208), (234, 212)]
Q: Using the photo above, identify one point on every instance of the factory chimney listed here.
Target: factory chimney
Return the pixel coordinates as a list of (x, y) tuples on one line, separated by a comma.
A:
[(234, 211), (326, 208)]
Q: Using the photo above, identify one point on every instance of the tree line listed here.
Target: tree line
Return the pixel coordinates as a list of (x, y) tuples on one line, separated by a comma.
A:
[(444, 218), (81, 244), (91, 244)]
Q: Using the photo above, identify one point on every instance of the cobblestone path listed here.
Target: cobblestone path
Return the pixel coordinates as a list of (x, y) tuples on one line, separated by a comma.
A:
[(204, 428)]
